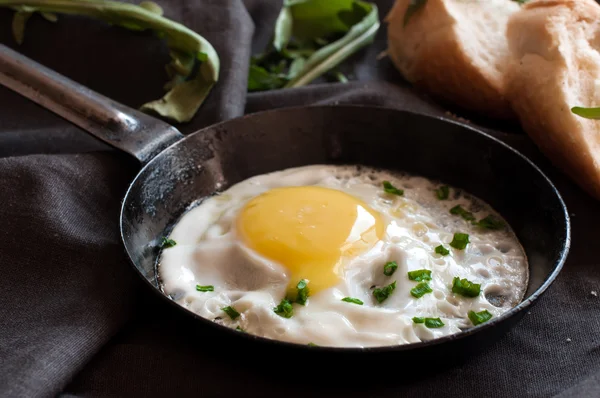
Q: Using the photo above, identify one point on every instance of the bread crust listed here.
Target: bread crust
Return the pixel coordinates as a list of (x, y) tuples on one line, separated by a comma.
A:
[(555, 65), (433, 51)]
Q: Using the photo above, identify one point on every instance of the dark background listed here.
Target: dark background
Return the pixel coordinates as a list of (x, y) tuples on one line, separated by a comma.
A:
[(75, 320)]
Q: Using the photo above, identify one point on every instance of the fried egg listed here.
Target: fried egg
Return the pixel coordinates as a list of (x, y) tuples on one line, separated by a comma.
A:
[(344, 256)]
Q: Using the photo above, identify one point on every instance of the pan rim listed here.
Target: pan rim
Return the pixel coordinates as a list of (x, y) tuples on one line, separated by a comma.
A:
[(519, 308)]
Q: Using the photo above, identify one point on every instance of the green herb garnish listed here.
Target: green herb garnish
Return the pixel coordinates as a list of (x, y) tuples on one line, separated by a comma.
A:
[(312, 345), (284, 309), (459, 211), (465, 287), (460, 241), (303, 292), (442, 250), (442, 192), (352, 300), (479, 317), (229, 310), (587, 113), (389, 188), (382, 293), (491, 222), (239, 329), (420, 290), (208, 288), (389, 268), (194, 66), (310, 40), (166, 243), (413, 7), (433, 323), (420, 275)]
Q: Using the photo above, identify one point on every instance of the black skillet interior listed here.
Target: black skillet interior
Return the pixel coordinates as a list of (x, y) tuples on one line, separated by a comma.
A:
[(219, 156)]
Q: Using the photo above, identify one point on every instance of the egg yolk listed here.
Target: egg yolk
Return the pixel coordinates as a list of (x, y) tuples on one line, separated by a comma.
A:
[(310, 230)]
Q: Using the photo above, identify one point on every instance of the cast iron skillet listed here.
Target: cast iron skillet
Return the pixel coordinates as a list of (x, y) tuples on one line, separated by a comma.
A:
[(178, 172)]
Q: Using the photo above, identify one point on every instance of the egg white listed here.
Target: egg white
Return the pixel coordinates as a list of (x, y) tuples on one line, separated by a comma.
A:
[(209, 252)]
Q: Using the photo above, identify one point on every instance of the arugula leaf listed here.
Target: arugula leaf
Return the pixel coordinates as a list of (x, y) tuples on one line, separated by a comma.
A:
[(322, 33), (413, 7), (194, 66), (259, 79)]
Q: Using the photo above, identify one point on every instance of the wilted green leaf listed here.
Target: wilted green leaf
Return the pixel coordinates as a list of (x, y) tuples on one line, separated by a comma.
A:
[(194, 68)]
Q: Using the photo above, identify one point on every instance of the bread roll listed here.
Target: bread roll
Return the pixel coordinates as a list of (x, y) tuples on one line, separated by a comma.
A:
[(555, 65), (455, 50)]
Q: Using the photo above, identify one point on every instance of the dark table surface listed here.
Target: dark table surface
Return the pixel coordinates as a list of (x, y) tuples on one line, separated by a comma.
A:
[(76, 321)]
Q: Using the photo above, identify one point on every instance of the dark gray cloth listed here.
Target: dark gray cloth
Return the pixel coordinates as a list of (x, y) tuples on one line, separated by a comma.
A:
[(76, 321)]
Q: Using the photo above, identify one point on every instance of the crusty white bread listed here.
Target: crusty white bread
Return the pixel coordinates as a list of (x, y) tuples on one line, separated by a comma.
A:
[(455, 50), (555, 66)]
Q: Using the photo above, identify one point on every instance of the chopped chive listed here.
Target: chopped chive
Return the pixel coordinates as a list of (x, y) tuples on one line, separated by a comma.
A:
[(229, 310), (284, 309), (459, 211), (389, 188), (420, 290), (442, 192), (420, 275), (479, 317), (442, 250), (208, 288), (166, 243), (465, 287), (239, 329), (312, 345), (352, 300), (303, 292), (389, 268), (382, 293), (491, 222), (433, 323), (460, 241)]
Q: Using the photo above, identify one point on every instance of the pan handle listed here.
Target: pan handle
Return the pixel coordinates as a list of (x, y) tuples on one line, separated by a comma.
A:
[(129, 130)]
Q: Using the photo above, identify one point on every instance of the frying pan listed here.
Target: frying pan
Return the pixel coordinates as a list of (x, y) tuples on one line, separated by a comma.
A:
[(177, 172)]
